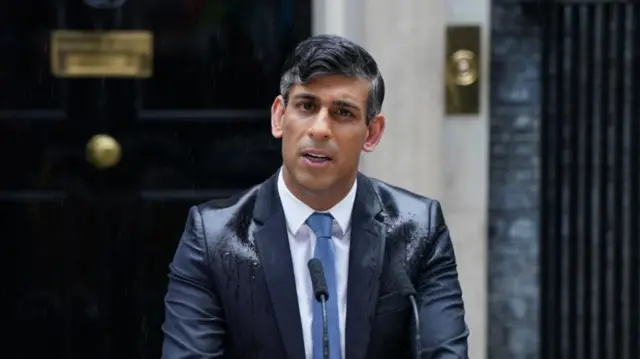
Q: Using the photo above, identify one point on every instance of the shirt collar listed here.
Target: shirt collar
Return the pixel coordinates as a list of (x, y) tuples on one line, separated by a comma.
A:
[(296, 212)]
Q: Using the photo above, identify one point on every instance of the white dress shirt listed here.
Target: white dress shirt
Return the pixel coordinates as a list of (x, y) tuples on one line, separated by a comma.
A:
[(302, 242)]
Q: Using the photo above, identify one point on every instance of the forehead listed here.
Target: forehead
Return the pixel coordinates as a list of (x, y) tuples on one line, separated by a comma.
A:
[(335, 87)]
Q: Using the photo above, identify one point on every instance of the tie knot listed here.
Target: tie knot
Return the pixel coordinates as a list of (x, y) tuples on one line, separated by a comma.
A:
[(321, 224)]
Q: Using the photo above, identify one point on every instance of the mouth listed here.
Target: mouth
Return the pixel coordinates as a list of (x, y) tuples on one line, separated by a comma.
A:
[(317, 156)]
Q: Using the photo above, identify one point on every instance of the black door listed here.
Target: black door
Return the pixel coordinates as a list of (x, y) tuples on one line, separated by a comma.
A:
[(84, 251)]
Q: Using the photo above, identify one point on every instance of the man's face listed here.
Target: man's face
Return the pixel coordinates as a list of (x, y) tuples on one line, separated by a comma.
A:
[(323, 130)]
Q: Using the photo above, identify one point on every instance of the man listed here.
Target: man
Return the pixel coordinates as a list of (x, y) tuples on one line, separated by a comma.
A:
[(239, 285)]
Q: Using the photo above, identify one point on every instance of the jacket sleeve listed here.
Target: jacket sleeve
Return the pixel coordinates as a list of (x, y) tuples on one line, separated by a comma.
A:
[(194, 326), (443, 329)]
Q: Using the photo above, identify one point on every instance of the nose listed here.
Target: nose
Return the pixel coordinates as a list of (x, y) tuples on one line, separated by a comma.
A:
[(320, 129)]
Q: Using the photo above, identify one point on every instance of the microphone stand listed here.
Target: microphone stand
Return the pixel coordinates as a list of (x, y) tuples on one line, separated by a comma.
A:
[(325, 331), (416, 318), (408, 290), (321, 293)]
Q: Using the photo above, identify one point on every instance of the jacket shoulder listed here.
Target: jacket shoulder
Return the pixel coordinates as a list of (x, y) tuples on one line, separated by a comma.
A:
[(241, 199), (220, 215), (400, 203)]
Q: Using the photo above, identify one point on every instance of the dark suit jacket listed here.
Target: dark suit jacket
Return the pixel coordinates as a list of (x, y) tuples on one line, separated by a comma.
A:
[(232, 294)]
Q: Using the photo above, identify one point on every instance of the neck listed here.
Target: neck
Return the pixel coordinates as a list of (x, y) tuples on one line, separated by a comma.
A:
[(322, 200)]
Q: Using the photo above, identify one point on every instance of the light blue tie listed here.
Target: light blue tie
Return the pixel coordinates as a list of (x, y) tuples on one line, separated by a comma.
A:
[(320, 224)]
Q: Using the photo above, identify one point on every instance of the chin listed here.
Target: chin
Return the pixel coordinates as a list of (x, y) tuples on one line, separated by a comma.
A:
[(313, 182)]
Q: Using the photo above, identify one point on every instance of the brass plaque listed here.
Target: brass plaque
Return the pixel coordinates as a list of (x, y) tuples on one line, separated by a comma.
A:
[(127, 54), (463, 67)]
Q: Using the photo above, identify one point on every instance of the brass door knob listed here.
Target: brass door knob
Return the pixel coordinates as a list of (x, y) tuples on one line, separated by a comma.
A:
[(103, 151)]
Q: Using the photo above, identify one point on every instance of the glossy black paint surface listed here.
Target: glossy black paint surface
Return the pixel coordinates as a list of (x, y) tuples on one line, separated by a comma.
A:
[(85, 251)]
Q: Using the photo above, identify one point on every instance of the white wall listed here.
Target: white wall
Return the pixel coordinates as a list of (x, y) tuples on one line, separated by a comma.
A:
[(443, 158), (466, 153)]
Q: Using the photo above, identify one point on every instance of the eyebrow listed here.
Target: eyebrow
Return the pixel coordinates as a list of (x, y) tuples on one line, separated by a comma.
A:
[(305, 96), (339, 103)]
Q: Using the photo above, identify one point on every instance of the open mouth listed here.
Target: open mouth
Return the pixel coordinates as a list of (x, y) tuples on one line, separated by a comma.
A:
[(316, 158)]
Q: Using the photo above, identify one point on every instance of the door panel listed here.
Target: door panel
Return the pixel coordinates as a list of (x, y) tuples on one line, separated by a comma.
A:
[(221, 54), (53, 289), (199, 156), (149, 248), (25, 81), (86, 250)]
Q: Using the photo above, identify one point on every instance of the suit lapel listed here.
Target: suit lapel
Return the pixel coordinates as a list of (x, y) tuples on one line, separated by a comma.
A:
[(273, 249), (365, 266)]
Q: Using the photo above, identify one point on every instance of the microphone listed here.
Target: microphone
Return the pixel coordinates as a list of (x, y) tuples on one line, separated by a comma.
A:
[(321, 293), (409, 291)]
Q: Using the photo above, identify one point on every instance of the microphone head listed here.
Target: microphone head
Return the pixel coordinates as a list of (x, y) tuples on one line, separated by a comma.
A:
[(318, 280), (404, 282)]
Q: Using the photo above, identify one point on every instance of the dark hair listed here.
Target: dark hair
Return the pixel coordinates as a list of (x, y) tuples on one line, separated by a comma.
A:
[(323, 55)]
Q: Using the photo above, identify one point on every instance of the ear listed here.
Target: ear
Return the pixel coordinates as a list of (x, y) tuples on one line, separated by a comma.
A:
[(374, 133), (277, 115)]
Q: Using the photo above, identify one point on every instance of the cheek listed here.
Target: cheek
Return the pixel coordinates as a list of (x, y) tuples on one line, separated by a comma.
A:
[(351, 148), (289, 143), (290, 128)]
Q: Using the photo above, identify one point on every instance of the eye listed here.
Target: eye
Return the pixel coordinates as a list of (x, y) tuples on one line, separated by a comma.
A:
[(344, 112), (306, 106)]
